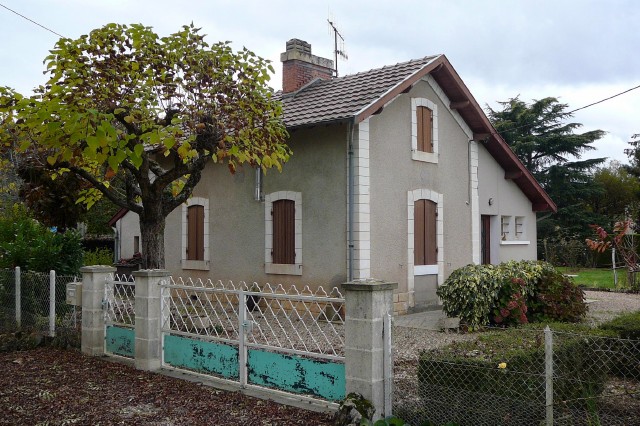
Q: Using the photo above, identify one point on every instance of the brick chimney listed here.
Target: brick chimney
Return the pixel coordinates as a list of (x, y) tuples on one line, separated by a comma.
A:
[(300, 67)]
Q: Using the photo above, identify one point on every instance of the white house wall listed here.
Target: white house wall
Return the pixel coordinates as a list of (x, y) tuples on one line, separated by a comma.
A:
[(128, 230), (394, 174), (317, 172), (501, 197)]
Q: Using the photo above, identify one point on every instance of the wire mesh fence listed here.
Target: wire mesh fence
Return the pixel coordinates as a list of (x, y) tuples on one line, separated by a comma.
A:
[(528, 377), (7, 300), (41, 303)]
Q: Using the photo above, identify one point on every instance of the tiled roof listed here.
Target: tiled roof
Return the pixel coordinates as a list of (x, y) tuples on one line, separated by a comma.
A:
[(324, 101)]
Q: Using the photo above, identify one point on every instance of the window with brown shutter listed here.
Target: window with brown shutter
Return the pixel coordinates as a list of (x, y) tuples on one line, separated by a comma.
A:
[(284, 249), (195, 232), (425, 126), (424, 233)]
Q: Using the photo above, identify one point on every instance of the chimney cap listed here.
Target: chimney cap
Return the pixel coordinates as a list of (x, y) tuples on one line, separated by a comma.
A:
[(295, 44)]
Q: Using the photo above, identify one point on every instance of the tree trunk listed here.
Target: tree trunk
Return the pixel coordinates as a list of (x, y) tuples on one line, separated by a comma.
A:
[(152, 233)]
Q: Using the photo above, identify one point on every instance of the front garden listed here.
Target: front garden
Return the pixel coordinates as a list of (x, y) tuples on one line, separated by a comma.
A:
[(517, 371)]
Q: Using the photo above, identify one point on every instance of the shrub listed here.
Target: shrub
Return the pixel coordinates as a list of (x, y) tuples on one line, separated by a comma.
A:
[(470, 293), (511, 308), (99, 256), (626, 350), (26, 243), (480, 294), (557, 298)]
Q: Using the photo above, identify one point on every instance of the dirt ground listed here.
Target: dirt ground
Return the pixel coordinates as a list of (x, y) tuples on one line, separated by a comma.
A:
[(48, 386)]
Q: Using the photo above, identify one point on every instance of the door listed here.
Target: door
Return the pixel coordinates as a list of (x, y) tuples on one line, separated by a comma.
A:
[(485, 239)]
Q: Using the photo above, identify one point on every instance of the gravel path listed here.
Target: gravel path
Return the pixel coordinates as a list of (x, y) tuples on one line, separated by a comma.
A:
[(605, 305)]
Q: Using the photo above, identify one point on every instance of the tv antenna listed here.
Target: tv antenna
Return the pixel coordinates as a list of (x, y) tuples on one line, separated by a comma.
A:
[(337, 51)]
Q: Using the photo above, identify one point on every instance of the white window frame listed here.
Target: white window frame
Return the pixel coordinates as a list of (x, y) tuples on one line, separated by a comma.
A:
[(427, 157), (511, 236), (202, 265), (438, 268), (278, 268)]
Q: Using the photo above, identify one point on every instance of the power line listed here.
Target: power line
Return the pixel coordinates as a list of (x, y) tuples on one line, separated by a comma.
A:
[(577, 109), (32, 21), (605, 99)]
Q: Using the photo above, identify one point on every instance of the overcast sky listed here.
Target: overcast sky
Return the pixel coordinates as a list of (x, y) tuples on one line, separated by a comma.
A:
[(579, 51)]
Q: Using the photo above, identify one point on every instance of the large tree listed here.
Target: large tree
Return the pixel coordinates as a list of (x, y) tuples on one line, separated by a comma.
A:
[(123, 101), (551, 148)]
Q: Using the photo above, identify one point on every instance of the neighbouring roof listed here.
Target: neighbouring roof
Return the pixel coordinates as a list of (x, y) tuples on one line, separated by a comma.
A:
[(358, 96)]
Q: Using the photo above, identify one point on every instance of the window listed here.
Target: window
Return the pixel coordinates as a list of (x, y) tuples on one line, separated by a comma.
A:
[(505, 224), (283, 250), (195, 234), (424, 234), (283, 233), (425, 237), (519, 227), (425, 126), (136, 244), (424, 130), (512, 230)]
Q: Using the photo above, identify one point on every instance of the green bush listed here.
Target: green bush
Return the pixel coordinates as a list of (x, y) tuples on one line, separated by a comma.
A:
[(557, 298), (26, 243), (480, 294), (99, 256), (507, 367), (470, 293), (625, 351)]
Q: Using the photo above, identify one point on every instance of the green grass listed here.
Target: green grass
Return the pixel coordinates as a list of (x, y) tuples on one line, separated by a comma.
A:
[(595, 277)]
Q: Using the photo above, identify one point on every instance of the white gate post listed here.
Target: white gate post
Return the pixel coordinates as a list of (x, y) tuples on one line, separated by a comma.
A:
[(52, 303), (368, 302), (18, 298), (148, 342), (93, 284)]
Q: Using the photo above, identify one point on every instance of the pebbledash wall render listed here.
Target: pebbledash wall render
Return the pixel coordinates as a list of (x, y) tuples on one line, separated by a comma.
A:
[(355, 178)]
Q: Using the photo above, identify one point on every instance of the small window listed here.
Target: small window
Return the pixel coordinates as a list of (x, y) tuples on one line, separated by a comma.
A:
[(424, 130), (136, 244), (505, 222), (284, 248), (424, 121), (425, 243), (195, 232), (519, 225)]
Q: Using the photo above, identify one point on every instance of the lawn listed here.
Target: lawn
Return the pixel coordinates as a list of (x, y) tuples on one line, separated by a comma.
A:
[(595, 277)]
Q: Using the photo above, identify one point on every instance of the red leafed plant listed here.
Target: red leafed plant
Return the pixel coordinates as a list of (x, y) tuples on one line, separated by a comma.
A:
[(621, 239)]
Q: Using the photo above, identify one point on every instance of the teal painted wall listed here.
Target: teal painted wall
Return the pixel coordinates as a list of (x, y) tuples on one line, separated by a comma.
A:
[(200, 356), (297, 375), (121, 341)]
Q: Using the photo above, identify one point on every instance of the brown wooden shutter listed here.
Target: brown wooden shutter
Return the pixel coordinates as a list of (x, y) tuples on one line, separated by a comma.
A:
[(418, 233), (424, 234), (424, 117), (195, 233), (431, 247), (284, 248), (420, 121)]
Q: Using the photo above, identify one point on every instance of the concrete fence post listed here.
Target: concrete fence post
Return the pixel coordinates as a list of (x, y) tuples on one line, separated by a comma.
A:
[(93, 284), (18, 294), (148, 352), (368, 302)]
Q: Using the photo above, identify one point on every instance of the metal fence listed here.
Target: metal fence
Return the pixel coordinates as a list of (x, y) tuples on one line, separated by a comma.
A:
[(36, 301), (548, 378), (283, 338), (120, 315)]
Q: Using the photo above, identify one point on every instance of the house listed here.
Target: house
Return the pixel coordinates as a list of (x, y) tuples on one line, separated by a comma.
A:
[(396, 174)]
